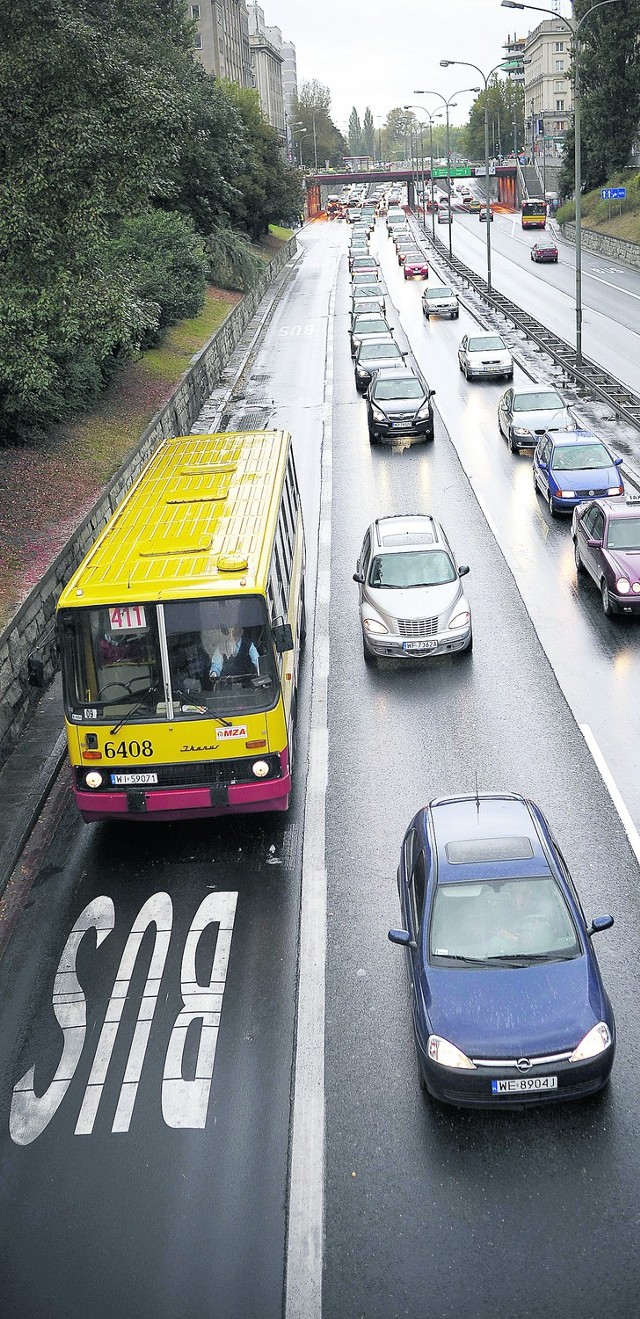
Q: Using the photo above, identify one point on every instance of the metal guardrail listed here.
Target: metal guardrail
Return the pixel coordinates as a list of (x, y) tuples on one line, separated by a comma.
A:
[(588, 375)]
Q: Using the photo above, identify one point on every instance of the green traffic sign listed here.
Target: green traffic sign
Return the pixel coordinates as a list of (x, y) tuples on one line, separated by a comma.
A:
[(456, 172)]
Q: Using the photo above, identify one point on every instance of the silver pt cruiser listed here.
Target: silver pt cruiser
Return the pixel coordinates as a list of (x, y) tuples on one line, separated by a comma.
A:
[(412, 602)]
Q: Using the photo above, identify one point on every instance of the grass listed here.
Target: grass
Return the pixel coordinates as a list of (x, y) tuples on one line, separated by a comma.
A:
[(47, 487), (620, 219)]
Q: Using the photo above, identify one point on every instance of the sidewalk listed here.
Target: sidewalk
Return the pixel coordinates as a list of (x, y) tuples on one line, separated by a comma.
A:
[(27, 777)]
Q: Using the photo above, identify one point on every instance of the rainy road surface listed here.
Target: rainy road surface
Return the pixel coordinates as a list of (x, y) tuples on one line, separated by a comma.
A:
[(126, 1193)]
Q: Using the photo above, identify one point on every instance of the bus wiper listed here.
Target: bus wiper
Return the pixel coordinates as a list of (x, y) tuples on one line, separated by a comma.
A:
[(134, 708)]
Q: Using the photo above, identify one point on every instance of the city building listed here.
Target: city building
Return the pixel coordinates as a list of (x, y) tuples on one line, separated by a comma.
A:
[(514, 50), (548, 89), (268, 58), (222, 39)]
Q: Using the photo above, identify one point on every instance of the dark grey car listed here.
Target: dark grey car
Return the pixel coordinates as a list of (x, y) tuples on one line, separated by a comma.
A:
[(525, 413), (372, 357), (368, 329), (399, 403)]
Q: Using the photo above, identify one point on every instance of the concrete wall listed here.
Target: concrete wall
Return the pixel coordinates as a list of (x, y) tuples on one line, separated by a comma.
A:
[(617, 248), (33, 626)]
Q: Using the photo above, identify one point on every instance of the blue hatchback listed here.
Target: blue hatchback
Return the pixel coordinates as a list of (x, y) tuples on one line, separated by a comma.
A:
[(573, 465), (507, 998)]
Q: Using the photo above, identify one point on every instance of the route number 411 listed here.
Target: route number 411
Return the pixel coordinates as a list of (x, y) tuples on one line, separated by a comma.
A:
[(184, 1102)]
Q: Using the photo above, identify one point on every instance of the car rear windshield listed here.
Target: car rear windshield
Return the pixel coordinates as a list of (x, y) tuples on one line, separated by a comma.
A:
[(624, 534), (413, 568), (488, 343), (370, 325), (386, 389), (538, 402), (497, 922), (580, 457), (370, 352)]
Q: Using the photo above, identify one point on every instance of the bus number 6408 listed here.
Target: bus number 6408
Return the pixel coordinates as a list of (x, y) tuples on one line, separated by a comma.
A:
[(127, 749)]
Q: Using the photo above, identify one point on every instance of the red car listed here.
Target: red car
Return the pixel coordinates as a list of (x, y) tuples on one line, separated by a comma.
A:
[(431, 206), (544, 251), (416, 267)]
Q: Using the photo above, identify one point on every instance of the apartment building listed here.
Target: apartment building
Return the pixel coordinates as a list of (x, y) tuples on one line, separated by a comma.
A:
[(222, 39), (266, 50), (548, 89)]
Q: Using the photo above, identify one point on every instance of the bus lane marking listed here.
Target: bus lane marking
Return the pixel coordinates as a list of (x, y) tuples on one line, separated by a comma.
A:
[(184, 1103)]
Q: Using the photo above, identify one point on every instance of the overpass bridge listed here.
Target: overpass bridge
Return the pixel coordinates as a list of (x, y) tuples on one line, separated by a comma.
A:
[(503, 182)]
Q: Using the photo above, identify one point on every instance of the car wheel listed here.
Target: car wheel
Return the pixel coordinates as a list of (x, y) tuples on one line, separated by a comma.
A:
[(552, 508), (373, 438), (425, 314), (466, 371), (468, 649), (368, 657), (607, 604), (456, 315), (509, 375), (576, 554)]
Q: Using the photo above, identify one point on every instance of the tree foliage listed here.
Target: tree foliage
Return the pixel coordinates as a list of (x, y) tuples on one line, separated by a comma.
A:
[(312, 109), (122, 166), (610, 88), (505, 105), (368, 134), (355, 133)]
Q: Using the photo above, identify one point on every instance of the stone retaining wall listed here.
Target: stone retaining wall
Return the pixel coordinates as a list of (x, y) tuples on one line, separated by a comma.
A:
[(619, 249), (33, 626)]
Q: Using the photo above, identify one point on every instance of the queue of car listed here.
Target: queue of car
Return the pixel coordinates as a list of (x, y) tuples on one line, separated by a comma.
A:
[(508, 1003)]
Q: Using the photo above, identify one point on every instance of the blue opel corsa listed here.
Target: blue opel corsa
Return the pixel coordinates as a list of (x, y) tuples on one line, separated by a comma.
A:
[(573, 465), (507, 998)]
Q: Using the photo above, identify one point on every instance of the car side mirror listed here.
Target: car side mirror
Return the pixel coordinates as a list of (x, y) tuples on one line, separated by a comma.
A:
[(432, 393), (593, 543), (403, 938), (359, 578), (463, 569), (282, 636), (598, 924), (617, 462)]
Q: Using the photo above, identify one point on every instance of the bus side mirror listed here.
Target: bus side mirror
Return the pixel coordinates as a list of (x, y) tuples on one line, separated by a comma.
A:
[(283, 637), (35, 670)]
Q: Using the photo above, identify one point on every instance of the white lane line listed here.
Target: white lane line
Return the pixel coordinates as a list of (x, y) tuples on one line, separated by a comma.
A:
[(610, 285), (303, 1287), (612, 788)]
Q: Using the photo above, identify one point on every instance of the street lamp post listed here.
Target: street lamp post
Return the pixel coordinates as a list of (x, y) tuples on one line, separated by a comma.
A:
[(298, 132), (574, 29), (447, 104), (485, 77), (431, 118)]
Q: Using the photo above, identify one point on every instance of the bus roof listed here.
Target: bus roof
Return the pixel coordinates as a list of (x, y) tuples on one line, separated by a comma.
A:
[(200, 519)]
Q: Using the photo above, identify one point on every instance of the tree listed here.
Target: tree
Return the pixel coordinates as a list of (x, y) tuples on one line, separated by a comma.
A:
[(396, 132), (610, 86), (368, 134), (355, 134), (311, 108), (269, 190), (505, 103)]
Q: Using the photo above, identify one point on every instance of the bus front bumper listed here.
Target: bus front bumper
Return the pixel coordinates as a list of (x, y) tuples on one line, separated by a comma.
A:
[(192, 802)]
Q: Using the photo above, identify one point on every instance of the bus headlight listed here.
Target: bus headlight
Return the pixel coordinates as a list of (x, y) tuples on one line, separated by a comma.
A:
[(260, 768), (93, 779)]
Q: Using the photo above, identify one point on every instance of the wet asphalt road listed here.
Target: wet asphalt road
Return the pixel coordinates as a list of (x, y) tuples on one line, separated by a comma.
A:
[(427, 1212)]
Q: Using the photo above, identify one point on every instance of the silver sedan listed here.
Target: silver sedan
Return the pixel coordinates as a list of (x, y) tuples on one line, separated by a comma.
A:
[(525, 414), (485, 357)]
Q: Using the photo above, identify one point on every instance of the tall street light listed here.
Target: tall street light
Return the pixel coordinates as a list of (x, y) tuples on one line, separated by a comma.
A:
[(485, 78), (574, 29), (448, 104), (298, 132), (431, 118)]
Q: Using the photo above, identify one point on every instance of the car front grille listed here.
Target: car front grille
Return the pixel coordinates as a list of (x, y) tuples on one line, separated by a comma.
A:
[(418, 627)]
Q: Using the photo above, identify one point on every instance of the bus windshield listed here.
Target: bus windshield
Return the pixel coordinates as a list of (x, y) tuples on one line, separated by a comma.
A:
[(220, 659)]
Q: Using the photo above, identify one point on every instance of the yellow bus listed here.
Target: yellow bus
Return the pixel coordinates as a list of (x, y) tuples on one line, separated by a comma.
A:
[(181, 632), (534, 213)]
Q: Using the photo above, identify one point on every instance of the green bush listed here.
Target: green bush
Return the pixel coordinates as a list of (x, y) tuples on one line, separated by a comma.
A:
[(165, 266), (232, 263)]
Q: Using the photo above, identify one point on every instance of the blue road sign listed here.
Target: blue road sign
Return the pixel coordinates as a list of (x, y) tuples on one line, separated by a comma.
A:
[(613, 194)]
